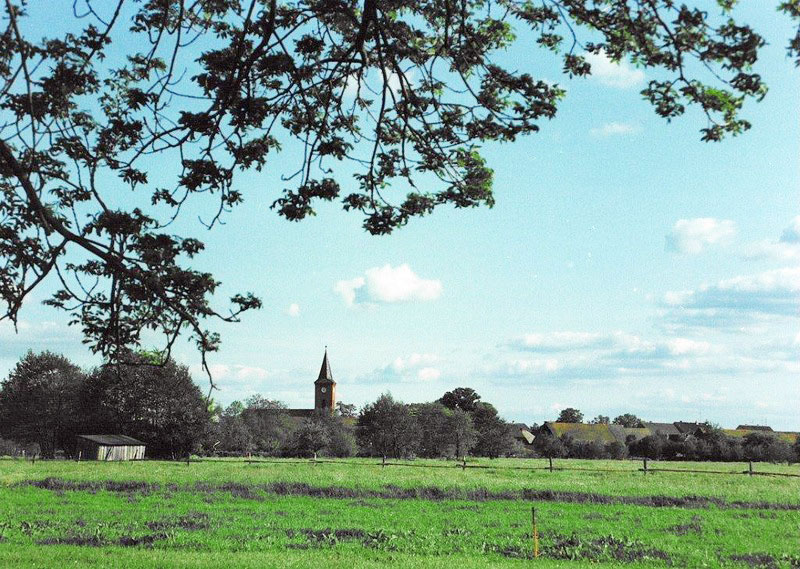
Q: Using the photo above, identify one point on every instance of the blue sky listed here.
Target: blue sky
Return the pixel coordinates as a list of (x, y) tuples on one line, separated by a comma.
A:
[(627, 267)]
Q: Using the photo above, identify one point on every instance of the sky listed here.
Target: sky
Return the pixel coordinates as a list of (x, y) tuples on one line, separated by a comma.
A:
[(627, 267)]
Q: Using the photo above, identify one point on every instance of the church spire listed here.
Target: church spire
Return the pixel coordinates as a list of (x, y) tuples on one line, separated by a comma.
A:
[(325, 387), (325, 375)]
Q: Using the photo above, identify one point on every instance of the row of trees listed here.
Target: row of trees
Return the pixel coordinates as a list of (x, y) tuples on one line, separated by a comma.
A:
[(572, 415), (456, 425), (712, 445), (717, 446), (47, 400)]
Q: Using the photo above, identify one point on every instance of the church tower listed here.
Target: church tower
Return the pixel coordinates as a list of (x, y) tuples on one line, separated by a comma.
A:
[(325, 387)]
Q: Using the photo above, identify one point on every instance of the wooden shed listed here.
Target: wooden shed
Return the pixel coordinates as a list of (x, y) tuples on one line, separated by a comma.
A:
[(109, 447)]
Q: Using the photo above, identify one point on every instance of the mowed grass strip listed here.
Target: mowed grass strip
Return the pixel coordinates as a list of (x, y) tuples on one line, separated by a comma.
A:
[(199, 524), (616, 478)]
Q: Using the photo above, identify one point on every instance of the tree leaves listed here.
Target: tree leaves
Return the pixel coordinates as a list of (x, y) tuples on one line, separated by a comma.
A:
[(406, 93)]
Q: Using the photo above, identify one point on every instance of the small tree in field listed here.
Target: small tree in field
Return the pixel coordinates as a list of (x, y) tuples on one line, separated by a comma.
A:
[(39, 402), (495, 436), (310, 438), (464, 398), (462, 431), (158, 404), (548, 446), (570, 415), (628, 420), (387, 428)]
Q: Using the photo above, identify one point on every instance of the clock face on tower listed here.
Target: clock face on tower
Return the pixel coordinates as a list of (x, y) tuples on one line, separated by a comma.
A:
[(323, 389)]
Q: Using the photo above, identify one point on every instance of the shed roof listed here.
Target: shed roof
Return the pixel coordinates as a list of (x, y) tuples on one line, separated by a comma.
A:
[(112, 440), (688, 428), (665, 429)]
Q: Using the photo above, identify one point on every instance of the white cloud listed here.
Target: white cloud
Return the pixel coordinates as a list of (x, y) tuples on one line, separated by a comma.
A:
[(685, 346), (414, 368), (388, 284), (792, 233), (428, 374), (413, 361), (737, 304), (593, 356), (620, 75), (293, 310), (781, 251), (231, 372), (692, 236), (678, 297), (44, 335), (347, 289), (787, 248), (614, 129), (558, 341)]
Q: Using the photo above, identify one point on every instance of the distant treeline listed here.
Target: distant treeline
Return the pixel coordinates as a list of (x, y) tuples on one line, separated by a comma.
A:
[(697, 442), (711, 445), (46, 401)]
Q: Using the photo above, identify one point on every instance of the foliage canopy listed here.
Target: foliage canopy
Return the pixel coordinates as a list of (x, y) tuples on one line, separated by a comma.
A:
[(405, 92)]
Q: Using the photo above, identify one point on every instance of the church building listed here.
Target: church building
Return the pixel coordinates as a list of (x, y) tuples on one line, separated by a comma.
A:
[(324, 392), (325, 387)]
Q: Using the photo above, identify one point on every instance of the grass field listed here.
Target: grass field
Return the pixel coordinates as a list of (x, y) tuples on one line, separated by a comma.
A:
[(357, 514)]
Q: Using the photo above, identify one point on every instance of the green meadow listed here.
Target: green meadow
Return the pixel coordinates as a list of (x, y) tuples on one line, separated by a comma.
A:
[(355, 513)]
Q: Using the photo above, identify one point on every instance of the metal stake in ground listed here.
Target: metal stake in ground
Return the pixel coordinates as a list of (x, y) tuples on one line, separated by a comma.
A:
[(535, 533)]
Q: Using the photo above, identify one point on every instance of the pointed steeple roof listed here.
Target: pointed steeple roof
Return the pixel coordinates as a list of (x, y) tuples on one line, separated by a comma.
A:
[(325, 375)]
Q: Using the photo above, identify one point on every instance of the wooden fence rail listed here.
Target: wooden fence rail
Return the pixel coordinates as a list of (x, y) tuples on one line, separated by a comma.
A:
[(647, 466)]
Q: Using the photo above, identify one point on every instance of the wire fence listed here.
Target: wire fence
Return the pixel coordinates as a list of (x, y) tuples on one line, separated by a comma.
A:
[(646, 467), (553, 465)]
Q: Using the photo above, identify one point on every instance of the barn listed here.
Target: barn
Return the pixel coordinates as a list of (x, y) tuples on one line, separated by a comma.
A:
[(109, 447)]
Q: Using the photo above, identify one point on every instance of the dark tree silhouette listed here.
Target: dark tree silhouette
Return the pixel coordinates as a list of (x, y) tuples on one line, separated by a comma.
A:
[(406, 92), (628, 420), (158, 404), (39, 402), (464, 398), (570, 415), (495, 436), (387, 428)]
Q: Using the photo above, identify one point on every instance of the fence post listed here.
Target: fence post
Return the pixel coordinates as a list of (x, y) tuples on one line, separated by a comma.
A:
[(463, 463), (80, 452), (645, 465), (751, 468), (550, 458), (383, 462)]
